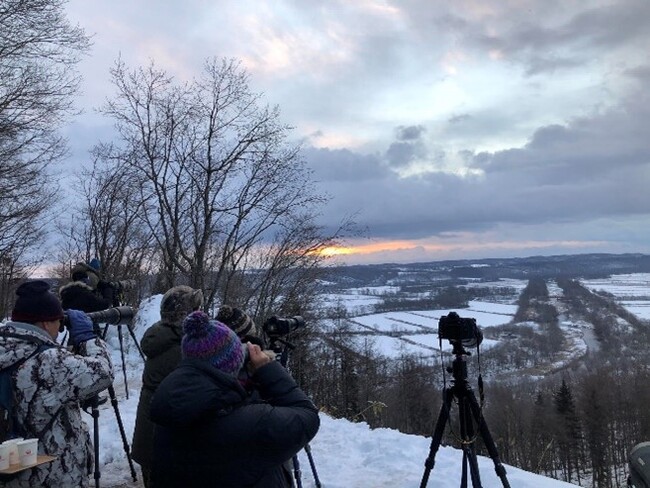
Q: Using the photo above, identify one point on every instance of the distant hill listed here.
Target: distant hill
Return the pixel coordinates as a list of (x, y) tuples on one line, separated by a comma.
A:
[(586, 266)]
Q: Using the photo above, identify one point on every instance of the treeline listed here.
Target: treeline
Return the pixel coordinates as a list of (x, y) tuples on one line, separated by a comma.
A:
[(618, 331), (578, 426), (578, 429), (440, 298)]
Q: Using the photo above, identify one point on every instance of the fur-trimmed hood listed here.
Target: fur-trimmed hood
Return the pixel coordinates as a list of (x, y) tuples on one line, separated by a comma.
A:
[(75, 284)]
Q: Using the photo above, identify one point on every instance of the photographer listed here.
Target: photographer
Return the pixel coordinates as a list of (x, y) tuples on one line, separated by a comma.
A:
[(242, 324), (161, 343), (209, 432), (87, 291), (49, 382)]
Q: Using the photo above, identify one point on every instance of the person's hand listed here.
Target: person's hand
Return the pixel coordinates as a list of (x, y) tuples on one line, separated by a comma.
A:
[(256, 357), (81, 327)]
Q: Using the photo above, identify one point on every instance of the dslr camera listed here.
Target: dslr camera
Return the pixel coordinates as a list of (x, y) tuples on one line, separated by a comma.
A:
[(459, 330), (119, 286), (280, 326)]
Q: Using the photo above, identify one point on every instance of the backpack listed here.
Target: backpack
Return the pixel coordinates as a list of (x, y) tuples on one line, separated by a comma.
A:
[(9, 426)]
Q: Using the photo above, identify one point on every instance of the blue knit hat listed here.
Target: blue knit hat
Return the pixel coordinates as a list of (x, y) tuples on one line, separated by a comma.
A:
[(95, 264), (212, 341)]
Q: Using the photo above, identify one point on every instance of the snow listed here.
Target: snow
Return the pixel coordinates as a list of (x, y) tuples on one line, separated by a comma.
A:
[(632, 291), (345, 454), (416, 332)]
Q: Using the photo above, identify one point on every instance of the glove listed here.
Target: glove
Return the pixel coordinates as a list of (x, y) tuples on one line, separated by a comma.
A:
[(81, 327)]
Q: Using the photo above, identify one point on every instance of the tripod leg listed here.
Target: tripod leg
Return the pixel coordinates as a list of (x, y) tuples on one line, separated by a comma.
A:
[(95, 414), (125, 443), (487, 439), (135, 341), (313, 466), (119, 336), (439, 430), (467, 434), (297, 474)]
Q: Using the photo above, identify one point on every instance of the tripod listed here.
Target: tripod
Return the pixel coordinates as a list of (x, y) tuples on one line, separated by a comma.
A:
[(94, 403), (281, 348), (468, 411), (120, 424), (121, 341), (116, 303)]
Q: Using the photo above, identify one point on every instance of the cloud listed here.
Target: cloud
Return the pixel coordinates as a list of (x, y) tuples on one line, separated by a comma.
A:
[(592, 168), (431, 118)]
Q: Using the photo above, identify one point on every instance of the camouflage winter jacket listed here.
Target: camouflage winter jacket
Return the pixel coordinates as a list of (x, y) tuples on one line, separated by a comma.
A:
[(48, 389)]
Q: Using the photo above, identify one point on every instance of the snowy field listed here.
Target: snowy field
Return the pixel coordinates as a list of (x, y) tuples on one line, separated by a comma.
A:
[(416, 332), (632, 291)]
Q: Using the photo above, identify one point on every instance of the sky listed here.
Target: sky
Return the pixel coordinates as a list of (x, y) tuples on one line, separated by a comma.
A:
[(346, 454), (448, 130)]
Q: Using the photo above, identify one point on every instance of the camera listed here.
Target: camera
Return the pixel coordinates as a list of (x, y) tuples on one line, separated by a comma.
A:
[(118, 286), (112, 316), (279, 326), (459, 330)]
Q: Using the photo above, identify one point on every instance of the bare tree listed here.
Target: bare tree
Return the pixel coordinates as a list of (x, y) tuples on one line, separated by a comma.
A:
[(222, 190), (107, 223), (38, 51)]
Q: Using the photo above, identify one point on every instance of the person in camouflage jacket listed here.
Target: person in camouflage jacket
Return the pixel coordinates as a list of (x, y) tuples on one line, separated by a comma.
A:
[(161, 343), (49, 385)]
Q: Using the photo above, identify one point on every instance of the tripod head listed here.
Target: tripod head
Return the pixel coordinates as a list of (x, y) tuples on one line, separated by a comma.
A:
[(281, 348)]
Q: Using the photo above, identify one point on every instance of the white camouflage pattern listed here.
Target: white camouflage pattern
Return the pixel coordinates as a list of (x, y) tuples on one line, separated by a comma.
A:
[(49, 389)]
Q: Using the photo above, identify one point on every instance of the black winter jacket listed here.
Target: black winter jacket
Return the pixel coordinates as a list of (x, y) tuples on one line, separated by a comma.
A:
[(79, 296), (209, 433), (161, 343)]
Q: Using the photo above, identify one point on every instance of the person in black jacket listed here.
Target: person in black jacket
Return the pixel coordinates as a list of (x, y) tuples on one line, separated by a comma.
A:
[(87, 291), (161, 344), (210, 432)]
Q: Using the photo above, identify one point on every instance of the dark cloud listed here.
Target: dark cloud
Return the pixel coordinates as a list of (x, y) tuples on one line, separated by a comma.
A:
[(410, 133), (543, 36), (343, 165), (400, 154), (591, 168)]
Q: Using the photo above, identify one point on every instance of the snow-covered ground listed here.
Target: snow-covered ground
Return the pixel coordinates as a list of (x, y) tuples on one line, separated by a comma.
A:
[(632, 291), (346, 454), (416, 332)]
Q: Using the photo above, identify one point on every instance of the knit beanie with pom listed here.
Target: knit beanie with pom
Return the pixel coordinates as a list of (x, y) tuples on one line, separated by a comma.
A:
[(212, 341), (239, 321)]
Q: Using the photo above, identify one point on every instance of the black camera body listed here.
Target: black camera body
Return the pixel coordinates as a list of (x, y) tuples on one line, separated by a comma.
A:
[(119, 286), (459, 330), (280, 326)]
